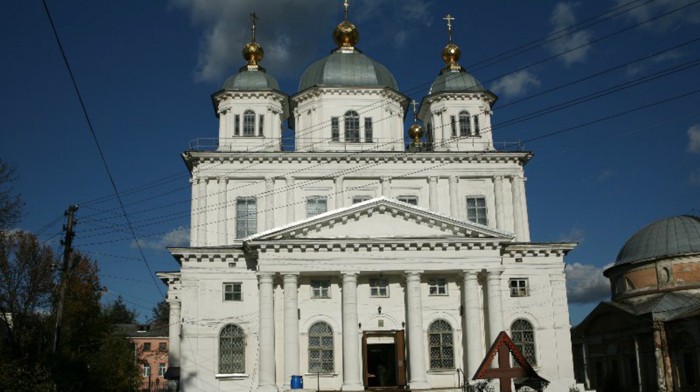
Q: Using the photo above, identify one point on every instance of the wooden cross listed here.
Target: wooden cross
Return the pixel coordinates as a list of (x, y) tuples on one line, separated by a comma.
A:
[(449, 18), (253, 19)]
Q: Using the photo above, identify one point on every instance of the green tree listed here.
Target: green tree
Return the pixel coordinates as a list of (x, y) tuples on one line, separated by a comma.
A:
[(118, 313), (10, 203), (160, 314)]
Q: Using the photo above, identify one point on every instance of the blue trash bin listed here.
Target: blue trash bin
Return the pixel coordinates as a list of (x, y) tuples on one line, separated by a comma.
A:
[(297, 382)]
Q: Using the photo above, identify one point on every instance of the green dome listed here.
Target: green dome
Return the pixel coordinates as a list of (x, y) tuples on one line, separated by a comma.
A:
[(347, 69), (456, 81), (666, 237), (251, 80)]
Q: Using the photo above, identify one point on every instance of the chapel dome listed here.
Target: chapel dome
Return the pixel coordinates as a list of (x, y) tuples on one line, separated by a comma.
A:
[(455, 81), (347, 69), (251, 80), (666, 237)]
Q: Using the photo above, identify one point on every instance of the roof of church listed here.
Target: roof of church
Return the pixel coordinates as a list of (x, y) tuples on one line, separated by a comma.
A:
[(347, 69), (666, 237), (251, 80), (455, 81)]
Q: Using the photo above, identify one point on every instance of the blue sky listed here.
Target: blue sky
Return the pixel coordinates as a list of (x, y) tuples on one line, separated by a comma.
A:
[(610, 108)]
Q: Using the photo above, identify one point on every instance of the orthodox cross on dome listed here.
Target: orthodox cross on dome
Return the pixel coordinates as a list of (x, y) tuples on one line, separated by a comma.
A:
[(253, 19), (415, 104), (346, 5), (449, 18)]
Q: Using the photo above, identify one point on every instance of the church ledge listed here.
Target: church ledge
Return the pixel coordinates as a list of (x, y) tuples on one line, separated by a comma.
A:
[(351, 244), (520, 249), (316, 91)]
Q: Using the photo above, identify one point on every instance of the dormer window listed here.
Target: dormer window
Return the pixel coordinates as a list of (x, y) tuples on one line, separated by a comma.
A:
[(465, 128), (352, 127), (249, 123)]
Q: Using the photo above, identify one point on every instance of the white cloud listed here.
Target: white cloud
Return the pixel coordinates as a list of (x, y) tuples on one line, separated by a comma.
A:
[(586, 284), (686, 14), (176, 237), (694, 178), (573, 45), (515, 84), (606, 174), (642, 66), (694, 139), (575, 234)]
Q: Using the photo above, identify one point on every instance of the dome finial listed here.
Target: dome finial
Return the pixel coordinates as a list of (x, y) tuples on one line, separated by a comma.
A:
[(345, 34), (346, 5), (415, 131), (252, 51), (451, 52)]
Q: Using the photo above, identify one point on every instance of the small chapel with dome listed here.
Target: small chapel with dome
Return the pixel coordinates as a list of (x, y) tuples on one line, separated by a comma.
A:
[(359, 259)]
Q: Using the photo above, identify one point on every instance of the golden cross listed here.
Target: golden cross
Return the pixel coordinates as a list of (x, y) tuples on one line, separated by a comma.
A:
[(414, 103), (346, 5), (253, 19), (449, 18)]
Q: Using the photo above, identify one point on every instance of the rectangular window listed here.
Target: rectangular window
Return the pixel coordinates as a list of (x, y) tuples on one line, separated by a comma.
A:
[(146, 370), (519, 287), (476, 210), (237, 125), (368, 129), (409, 199), (261, 122), (233, 292), (453, 124), (162, 346), (335, 129), (147, 347), (360, 199), (321, 288), (378, 288), (316, 205), (248, 123), (161, 370), (477, 130), (437, 286), (246, 216), (352, 127)]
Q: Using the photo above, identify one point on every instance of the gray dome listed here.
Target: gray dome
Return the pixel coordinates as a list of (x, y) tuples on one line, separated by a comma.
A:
[(347, 69), (251, 80), (672, 236), (456, 81)]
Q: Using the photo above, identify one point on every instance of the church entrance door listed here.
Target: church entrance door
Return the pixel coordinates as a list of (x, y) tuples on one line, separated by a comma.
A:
[(384, 359)]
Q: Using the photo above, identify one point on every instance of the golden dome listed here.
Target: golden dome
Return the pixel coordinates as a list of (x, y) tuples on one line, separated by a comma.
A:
[(253, 53), (451, 54), (415, 132), (346, 35)]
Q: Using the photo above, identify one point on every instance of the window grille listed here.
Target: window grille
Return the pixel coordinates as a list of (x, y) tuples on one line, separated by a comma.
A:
[(335, 129), (453, 124), (409, 199), (246, 216), (352, 127), (237, 125), (321, 348), (464, 124), (476, 210), (248, 123), (378, 288), (437, 286), (233, 292), (316, 205), (519, 288), (261, 122), (232, 350), (477, 128), (320, 289), (441, 346), (523, 335), (368, 129)]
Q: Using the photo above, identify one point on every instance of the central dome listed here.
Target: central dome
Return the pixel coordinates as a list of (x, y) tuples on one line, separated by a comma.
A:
[(347, 69), (666, 237)]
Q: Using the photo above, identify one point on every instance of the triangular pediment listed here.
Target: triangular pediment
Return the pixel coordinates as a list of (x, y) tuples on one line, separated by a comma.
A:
[(379, 218)]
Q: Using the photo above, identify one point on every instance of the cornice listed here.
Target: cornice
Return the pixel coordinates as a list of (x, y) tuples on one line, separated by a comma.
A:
[(551, 249), (372, 245)]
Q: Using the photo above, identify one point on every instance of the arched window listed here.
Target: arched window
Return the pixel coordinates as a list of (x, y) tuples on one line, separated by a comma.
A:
[(249, 123), (352, 127), (441, 348), (523, 335), (321, 348), (465, 128), (477, 128), (231, 350)]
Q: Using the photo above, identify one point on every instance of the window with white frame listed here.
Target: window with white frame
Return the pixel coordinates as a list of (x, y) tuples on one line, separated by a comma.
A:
[(465, 128), (237, 125), (360, 199), (335, 129), (519, 287), (249, 123), (437, 286), (321, 348), (146, 370), (476, 210), (408, 199), (368, 130), (231, 350), (320, 288), (233, 292), (523, 335), (378, 288), (261, 124), (246, 216), (441, 345), (453, 125), (352, 127), (161, 369), (316, 205), (477, 129)]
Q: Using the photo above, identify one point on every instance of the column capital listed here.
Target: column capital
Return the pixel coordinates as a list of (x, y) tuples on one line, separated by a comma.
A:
[(222, 179), (338, 179), (386, 179), (494, 273), (269, 179), (349, 274), (264, 277), (453, 178), (290, 277), (413, 275), (433, 179), (289, 178), (471, 273)]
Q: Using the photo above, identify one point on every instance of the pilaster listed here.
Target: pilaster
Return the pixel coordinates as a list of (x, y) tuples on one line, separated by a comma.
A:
[(352, 379), (416, 345), (291, 328), (266, 335)]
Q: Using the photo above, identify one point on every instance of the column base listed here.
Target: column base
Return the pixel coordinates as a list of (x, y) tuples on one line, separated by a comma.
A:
[(418, 385), (352, 387), (267, 388)]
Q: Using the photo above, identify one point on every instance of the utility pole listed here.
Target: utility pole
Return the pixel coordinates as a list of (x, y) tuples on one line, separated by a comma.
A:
[(65, 270)]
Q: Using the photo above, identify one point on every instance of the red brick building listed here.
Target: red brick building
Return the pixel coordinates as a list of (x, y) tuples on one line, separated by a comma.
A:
[(150, 351)]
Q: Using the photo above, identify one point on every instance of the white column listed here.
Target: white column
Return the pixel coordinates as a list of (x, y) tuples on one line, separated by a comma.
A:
[(432, 189), (523, 209), (291, 329), (266, 335), (290, 199), (517, 209), (454, 202), (202, 212), (386, 186), (221, 221), (493, 282), (352, 377), (339, 192), (174, 333), (472, 321), (194, 214), (498, 199), (269, 203), (416, 346)]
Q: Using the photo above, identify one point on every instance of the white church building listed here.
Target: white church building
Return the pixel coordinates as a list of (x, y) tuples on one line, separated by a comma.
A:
[(355, 260)]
